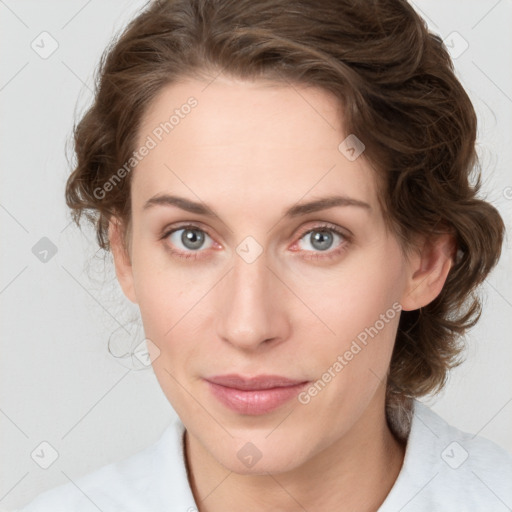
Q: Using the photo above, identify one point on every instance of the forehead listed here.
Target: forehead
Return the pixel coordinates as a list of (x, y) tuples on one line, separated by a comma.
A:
[(247, 141)]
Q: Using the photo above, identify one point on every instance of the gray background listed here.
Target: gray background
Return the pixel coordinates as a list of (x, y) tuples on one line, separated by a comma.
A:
[(59, 383)]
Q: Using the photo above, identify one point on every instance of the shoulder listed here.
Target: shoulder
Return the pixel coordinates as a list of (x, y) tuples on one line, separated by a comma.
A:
[(448, 469), (146, 481)]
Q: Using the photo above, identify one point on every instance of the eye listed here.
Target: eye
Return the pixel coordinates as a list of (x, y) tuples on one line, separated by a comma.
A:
[(188, 240), (321, 239)]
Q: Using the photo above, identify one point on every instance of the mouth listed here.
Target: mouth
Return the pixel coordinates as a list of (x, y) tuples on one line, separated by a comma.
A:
[(254, 395)]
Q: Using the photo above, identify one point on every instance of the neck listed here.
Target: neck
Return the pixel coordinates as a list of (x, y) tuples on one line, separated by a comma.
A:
[(357, 472)]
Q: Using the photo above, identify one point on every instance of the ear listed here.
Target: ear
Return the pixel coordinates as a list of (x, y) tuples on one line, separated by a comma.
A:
[(122, 261), (428, 269)]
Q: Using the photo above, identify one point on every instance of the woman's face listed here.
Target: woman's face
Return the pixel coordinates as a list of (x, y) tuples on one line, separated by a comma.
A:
[(239, 279)]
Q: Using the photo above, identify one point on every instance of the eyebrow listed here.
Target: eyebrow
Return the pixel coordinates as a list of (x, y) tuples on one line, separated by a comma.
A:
[(297, 210)]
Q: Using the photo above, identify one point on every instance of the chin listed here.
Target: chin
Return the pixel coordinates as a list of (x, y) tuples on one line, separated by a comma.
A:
[(270, 464), (260, 456)]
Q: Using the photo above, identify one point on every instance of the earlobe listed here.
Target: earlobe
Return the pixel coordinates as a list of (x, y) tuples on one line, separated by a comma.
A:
[(122, 263), (428, 269)]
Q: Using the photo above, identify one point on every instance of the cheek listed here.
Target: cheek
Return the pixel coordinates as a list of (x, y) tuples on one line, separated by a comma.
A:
[(169, 305), (360, 304), (173, 305), (164, 291), (353, 296)]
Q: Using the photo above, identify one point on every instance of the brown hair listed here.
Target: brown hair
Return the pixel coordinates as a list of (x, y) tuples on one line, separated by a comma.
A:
[(400, 95)]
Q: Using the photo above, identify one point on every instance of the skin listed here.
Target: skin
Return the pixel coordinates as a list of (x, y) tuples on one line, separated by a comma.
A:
[(250, 150)]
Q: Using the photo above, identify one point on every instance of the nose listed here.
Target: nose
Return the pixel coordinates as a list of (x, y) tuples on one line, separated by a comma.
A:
[(252, 306)]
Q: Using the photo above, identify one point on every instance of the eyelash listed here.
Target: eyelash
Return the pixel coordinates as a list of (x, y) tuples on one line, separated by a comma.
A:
[(318, 255)]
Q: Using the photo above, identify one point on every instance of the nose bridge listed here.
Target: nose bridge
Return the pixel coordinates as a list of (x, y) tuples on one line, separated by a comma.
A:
[(248, 310), (249, 279)]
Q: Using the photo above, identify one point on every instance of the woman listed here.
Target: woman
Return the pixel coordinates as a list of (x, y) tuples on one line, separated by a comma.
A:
[(285, 188)]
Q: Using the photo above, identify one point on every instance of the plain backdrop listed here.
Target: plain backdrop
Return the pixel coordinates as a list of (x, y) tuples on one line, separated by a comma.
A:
[(59, 383)]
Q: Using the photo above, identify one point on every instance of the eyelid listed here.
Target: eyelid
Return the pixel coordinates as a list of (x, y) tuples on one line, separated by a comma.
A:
[(168, 230), (328, 227)]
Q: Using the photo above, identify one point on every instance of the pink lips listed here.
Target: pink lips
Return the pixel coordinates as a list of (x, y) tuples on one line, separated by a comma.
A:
[(255, 395)]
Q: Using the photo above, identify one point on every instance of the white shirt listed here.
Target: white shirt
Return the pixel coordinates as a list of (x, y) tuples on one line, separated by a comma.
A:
[(444, 469)]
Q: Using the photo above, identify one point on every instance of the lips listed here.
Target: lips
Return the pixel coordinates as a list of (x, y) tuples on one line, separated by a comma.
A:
[(254, 395)]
